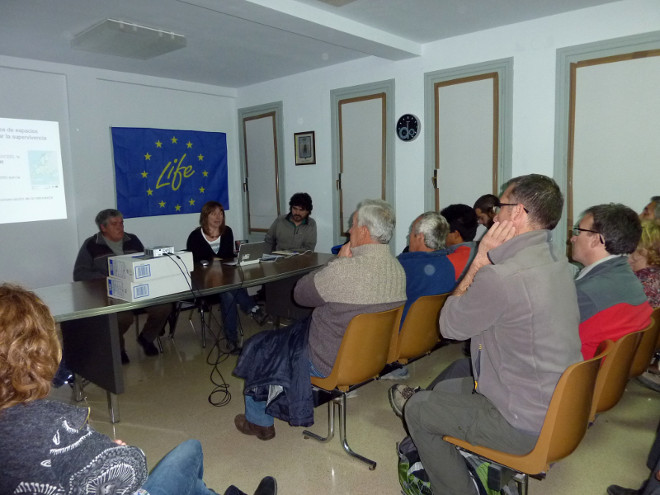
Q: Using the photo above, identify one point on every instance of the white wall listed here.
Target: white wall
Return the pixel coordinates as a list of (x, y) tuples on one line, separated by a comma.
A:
[(533, 47), (99, 99), (38, 254)]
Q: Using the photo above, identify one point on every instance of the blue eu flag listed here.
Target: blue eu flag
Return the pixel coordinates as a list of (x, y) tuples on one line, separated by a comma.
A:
[(167, 171)]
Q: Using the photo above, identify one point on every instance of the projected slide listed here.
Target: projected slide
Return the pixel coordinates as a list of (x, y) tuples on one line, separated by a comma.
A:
[(31, 182)]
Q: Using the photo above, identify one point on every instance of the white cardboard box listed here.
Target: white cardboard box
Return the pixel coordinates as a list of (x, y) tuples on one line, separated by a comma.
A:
[(147, 288), (136, 267)]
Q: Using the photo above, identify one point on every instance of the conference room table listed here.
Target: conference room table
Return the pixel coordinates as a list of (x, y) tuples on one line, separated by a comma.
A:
[(88, 317)]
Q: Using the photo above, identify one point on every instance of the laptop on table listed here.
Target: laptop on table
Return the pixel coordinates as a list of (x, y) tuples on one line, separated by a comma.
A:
[(249, 253)]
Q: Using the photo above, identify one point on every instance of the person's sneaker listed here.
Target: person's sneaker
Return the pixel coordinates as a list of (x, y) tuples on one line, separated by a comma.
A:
[(267, 486), (619, 490), (259, 315), (650, 380), (397, 374), (149, 348), (247, 428), (399, 395)]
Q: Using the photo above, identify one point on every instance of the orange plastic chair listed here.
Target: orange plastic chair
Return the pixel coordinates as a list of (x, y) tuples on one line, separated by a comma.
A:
[(613, 374), (564, 426), (646, 347), (419, 333), (362, 355)]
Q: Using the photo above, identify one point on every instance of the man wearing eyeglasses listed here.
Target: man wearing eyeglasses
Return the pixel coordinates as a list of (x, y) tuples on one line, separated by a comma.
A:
[(518, 304), (611, 298)]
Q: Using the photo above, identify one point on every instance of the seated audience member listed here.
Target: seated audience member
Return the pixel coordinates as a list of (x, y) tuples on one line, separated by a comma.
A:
[(460, 240), (92, 263), (484, 208), (652, 485), (214, 239), (652, 210), (295, 231), (364, 278), (428, 270), (611, 299), (48, 446), (645, 262), (507, 304)]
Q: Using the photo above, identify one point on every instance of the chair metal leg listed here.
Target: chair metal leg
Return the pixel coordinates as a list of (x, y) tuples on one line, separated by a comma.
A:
[(137, 324), (341, 404), (342, 434), (524, 483), (202, 317), (78, 388), (113, 407), (331, 426), (192, 325)]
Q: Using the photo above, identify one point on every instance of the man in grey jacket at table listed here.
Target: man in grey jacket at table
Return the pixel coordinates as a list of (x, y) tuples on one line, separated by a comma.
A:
[(92, 263)]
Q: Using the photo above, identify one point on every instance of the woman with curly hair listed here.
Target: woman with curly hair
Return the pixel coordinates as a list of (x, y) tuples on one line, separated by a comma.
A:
[(645, 261), (48, 447)]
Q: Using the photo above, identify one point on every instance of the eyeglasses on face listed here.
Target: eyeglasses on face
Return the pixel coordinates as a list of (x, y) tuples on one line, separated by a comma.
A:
[(576, 232), (499, 205)]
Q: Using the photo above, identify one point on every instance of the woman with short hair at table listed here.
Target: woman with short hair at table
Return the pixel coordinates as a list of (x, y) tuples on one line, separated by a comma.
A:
[(214, 239)]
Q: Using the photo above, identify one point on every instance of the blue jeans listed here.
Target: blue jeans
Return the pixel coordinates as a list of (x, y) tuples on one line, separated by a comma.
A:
[(255, 411), (228, 307), (179, 472)]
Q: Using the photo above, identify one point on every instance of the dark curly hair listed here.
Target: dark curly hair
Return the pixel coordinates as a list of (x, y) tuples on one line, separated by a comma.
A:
[(302, 200)]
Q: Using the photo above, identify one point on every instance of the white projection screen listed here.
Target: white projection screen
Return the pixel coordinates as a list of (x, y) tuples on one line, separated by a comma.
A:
[(31, 178)]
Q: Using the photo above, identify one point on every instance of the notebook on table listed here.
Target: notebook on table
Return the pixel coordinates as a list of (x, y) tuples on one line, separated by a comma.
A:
[(249, 253)]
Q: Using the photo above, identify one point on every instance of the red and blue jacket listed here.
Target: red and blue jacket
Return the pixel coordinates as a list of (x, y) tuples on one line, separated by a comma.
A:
[(612, 304)]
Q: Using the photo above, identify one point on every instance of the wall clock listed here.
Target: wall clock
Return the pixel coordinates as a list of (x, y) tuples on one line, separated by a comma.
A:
[(408, 127)]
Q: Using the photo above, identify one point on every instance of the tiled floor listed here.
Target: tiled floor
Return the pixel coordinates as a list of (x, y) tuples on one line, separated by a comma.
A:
[(167, 401)]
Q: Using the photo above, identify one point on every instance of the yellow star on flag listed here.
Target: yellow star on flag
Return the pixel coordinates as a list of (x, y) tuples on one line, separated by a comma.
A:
[(177, 207), (147, 156), (200, 157), (144, 174), (191, 202), (206, 174), (189, 144), (174, 140), (159, 144), (162, 204), (150, 192), (201, 189)]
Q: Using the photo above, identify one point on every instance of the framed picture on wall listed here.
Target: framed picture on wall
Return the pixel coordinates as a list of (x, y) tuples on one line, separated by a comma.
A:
[(305, 148)]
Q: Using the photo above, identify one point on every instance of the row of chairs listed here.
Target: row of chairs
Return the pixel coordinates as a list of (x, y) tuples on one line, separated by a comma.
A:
[(584, 390), (354, 366)]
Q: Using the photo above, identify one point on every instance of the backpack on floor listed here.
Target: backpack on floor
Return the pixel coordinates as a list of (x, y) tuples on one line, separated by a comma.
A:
[(415, 481), (412, 476)]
